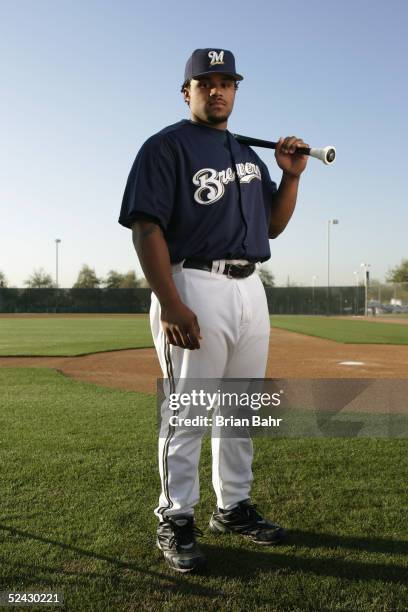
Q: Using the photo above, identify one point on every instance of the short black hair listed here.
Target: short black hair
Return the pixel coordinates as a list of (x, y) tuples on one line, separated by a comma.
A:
[(186, 84)]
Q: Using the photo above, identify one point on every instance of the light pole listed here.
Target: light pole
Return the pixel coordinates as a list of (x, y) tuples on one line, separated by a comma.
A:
[(329, 223), (57, 242), (366, 283)]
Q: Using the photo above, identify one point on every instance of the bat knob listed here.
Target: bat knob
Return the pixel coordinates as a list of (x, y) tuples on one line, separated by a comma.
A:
[(330, 155), (326, 155)]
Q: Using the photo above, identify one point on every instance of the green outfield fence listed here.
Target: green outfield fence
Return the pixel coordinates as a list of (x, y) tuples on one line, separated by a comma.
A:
[(75, 300), (281, 300), (316, 300)]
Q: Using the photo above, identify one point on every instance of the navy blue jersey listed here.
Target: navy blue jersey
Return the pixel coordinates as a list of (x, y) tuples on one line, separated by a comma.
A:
[(185, 178)]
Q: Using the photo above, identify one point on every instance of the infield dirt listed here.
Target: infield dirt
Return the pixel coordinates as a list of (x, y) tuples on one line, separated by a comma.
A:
[(291, 355)]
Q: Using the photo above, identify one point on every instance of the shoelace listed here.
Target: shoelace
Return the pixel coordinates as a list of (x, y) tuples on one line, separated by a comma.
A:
[(184, 534)]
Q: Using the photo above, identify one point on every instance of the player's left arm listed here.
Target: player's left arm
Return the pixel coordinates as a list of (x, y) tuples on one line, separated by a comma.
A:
[(284, 200)]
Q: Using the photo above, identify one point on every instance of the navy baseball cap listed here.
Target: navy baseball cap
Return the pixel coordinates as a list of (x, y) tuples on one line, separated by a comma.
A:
[(210, 61)]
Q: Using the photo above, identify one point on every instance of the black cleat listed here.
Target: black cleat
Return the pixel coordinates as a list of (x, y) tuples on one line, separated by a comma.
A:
[(246, 521), (176, 539)]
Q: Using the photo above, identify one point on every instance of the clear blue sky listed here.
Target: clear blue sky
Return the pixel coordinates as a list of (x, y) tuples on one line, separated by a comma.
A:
[(85, 83)]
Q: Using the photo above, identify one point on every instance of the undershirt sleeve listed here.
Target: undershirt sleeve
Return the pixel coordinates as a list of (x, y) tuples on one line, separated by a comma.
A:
[(151, 186)]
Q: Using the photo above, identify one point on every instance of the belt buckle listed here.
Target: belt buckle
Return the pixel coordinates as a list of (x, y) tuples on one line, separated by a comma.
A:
[(245, 270), (242, 270), (239, 271)]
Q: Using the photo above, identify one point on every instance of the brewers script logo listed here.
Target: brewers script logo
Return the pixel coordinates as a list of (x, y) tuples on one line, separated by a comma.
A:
[(216, 58), (211, 183)]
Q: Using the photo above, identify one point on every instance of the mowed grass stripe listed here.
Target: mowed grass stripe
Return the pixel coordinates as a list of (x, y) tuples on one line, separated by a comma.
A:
[(71, 336), (79, 483), (343, 330)]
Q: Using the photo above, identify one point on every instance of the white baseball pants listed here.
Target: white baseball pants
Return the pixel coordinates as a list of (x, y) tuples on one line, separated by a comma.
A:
[(234, 322)]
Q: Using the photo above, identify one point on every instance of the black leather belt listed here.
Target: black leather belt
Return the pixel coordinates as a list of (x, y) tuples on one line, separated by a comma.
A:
[(230, 270)]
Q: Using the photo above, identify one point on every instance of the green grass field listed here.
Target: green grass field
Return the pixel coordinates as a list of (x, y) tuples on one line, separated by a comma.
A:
[(79, 483), (349, 331), (70, 336)]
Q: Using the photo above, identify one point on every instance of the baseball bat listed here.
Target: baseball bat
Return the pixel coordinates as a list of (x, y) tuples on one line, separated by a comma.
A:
[(327, 155)]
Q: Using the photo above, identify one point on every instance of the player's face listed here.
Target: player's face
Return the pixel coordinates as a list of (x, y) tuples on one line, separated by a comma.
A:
[(211, 99)]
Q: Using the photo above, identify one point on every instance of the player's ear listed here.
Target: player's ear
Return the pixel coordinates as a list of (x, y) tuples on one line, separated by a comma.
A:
[(186, 93)]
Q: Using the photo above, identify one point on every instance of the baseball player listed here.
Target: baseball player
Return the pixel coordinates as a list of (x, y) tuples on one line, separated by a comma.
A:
[(202, 208)]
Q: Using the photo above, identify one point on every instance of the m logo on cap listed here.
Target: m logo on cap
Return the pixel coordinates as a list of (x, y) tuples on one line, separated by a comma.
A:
[(216, 58)]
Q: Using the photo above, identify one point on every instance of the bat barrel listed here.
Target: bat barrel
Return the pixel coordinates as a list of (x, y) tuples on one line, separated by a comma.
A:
[(255, 142)]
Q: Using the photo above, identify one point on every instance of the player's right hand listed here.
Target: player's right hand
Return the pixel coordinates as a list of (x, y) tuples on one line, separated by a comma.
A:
[(180, 326)]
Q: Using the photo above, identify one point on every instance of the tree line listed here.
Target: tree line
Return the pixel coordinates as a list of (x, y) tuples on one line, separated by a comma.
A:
[(87, 278)]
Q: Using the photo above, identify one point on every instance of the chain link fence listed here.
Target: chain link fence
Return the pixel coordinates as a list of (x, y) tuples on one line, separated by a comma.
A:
[(381, 299), (281, 300), (74, 300), (316, 300), (387, 298)]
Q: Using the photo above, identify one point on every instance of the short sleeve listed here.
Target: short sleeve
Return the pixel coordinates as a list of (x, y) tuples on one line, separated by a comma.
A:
[(269, 186), (150, 188)]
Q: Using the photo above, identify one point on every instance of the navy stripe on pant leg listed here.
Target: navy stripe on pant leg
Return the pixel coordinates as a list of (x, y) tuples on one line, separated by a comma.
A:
[(170, 374)]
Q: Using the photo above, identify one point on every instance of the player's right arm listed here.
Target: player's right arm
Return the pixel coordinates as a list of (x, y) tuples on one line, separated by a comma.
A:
[(180, 324)]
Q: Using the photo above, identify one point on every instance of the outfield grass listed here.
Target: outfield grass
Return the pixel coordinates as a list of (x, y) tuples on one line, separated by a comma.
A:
[(70, 336), (79, 483), (348, 331)]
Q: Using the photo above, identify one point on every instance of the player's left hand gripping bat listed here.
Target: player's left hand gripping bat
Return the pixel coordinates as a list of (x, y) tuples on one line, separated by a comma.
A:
[(327, 155)]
